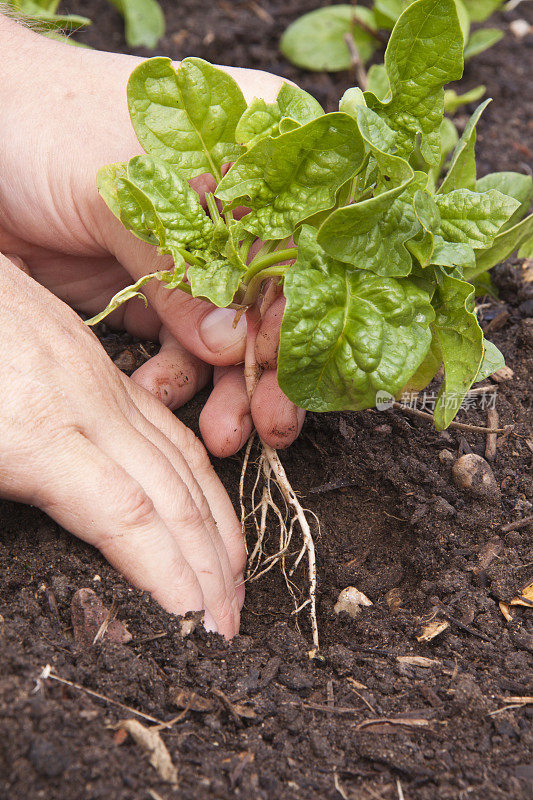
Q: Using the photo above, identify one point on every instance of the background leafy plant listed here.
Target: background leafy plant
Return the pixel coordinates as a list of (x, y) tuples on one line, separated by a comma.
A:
[(316, 41), (384, 250), (143, 19)]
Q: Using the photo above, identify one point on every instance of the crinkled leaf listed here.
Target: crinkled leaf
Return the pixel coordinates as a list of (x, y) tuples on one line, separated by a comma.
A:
[(492, 360), (372, 234), (513, 184), (504, 245), (287, 179), (422, 245), (454, 101), (473, 218), (186, 117), (461, 342), (481, 40), (453, 254), (448, 139), (462, 171), (263, 119), (316, 41), (217, 280), (347, 333), (424, 53), (154, 202), (144, 21)]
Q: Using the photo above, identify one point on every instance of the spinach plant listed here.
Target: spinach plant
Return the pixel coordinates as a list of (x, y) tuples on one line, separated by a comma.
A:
[(382, 252), (317, 40), (143, 19)]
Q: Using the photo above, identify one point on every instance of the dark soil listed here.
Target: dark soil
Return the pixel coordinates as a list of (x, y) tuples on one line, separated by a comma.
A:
[(397, 529)]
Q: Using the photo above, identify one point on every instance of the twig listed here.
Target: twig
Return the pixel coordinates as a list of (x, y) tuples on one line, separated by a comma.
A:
[(414, 722), (462, 426), (359, 23), (102, 630), (492, 422), (356, 62), (515, 526), (47, 674), (461, 625)]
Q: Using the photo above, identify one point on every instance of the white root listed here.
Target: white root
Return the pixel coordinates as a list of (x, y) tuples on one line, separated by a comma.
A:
[(271, 470), (259, 563)]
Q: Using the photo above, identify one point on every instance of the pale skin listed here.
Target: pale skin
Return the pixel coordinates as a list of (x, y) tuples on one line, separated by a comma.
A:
[(99, 452)]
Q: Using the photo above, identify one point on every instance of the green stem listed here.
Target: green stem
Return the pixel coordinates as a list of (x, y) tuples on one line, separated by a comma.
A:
[(261, 263), (212, 207), (253, 288)]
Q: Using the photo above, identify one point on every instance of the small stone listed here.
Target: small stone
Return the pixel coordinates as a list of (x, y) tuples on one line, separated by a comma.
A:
[(351, 600), (473, 474), (502, 374), (88, 614), (446, 457), (443, 508), (520, 28), (125, 361)]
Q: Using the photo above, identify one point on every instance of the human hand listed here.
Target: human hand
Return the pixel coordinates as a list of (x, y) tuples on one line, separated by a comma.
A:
[(73, 245), (109, 462)]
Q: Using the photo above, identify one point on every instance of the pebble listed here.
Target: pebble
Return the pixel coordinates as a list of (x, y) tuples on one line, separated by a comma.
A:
[(88, 613), (474, 475)]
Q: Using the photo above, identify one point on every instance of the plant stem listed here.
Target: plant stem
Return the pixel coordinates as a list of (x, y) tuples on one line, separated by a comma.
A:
[(262, 262), (254, 286), (212, 207)]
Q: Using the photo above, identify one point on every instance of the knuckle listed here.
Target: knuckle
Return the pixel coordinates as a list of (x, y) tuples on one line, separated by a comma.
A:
[(136, 508)]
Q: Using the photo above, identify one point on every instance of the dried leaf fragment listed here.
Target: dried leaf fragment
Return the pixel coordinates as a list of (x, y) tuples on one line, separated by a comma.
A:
[(351, 600), (502, 374), (432, 629), (151, 742), (91, 621), (525, 598), (504, 608), (408, 722), (186, 698)]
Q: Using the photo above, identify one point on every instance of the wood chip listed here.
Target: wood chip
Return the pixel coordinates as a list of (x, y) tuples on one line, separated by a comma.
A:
[(432, 629), (351, 600), (418, 661), (151, 742), (502, 374), (493, 421)]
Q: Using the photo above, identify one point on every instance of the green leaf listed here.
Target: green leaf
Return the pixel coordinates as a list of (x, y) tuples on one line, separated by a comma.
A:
[(217, 281), (154, 202), (513, 184), (481, 40), (387, 12), (461, 341), (504, 245), (424, 53), (130, 292), (462, 171), (372, 234), (287, 179), (188, 117), (454, 101), (484, 286), (480, 10), (526, 250), (144, 21), (316, 41), (448, 139), (347, 333), (427, 369), (472, 218), (378, 81), (492, 360), (263, 119)]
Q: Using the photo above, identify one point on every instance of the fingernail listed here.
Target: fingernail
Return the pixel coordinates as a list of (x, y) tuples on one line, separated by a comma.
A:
[(209, 623), (218, 332)]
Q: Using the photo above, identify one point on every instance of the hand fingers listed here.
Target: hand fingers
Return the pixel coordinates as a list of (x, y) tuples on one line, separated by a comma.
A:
[(185, 452), (225, 421), (188, 518), (277, 420), (267, 340), (214, 335), (92, 496), (174, 376)]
